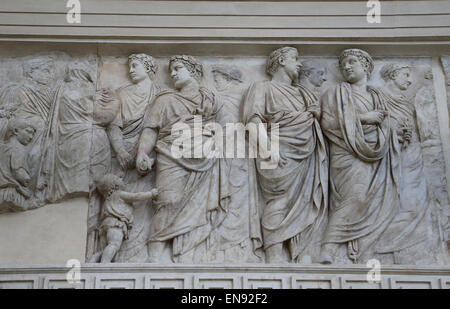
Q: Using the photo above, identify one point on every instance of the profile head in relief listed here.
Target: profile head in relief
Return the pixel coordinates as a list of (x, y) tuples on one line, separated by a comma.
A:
[(40, 70), (313, 73), (224, 77), (356, 65), (184, 71), (109, 184), (396, 76), (142, 67), (21, 130), (283, 64)]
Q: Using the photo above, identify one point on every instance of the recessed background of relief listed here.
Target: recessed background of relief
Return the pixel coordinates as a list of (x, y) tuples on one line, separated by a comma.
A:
[(446, 65), (114, 74), (45, 127)]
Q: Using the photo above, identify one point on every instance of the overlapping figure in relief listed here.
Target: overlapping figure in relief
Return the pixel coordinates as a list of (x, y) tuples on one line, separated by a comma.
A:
[(364, 161), (294, 191), (193, 190)]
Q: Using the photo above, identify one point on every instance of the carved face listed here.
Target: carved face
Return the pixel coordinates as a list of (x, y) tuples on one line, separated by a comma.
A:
[(352, 69), (318, 76), (180, 75), (25, 135), (137, 71), (43, 74), (221, 81), (291, 64), (403, 79)]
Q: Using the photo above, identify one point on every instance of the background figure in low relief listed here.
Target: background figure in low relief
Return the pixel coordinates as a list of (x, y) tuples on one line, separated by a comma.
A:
[(294, 193), (412, 225), (364, 161), (235, 239), (118, 213), (192, 191), (313, 75), (15, 176), (73, 131)]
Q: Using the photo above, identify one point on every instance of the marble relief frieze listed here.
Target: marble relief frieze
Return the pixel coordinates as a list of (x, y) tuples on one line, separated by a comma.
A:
[(277, 159)]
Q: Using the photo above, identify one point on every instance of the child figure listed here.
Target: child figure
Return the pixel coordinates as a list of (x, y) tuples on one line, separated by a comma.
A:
[(14, 170), (117, 212)]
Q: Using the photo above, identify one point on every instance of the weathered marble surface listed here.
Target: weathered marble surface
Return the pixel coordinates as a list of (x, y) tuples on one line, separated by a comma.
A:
[(45, 126), (62, 130)]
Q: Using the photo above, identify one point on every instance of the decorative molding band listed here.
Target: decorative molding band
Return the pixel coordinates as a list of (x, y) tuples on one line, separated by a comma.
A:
[(148, 276)]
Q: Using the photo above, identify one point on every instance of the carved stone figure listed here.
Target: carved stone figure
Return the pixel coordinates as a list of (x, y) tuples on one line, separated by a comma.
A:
[(73, 132), (39, 100), (192, 193), (15, 175), (294, 192), (121, 112), (363, 162), (231, 241), (60, 111), (313, 75), (106, 107), (412, 223), (118, 212)]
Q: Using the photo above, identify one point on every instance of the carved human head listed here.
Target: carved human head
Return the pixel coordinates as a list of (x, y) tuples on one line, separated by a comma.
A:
[(224, 75), (314, 72), (108, 184), (397, 74), (285, 58), (355, 64), (41, 69), (23, 130), (183, 68), (142, 66)]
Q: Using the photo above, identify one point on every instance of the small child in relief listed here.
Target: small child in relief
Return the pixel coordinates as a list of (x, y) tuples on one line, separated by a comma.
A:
[(117, 212), (15, 175)]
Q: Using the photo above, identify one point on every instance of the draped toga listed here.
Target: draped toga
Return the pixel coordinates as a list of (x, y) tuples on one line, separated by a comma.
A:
[(191, 190), (364, 169), (294, 197), (411, 225)]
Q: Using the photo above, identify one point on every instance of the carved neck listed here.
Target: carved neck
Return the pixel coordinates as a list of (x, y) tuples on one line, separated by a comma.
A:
[(144, 84), (306, 83), (393, 90), (190, 89), (360, 86), (281, 77)]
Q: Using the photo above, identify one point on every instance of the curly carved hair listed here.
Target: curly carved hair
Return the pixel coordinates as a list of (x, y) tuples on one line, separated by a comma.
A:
[(147, 61), (108, 184), (364, 57), (192, 65), (273, 62)]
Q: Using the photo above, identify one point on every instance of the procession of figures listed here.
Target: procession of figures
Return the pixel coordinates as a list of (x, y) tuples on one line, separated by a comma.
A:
[(348, 165)]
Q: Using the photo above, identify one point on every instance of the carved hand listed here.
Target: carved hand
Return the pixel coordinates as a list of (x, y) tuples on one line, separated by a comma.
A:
[(154, 193), (315, 110), (374, 117), (143, 164), (124, 159), (277, 158)]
